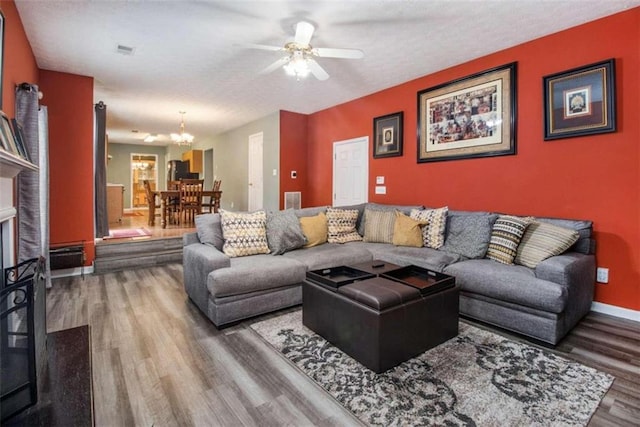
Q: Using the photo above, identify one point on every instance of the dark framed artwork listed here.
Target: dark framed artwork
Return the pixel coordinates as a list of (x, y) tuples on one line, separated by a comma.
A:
[(469, 118), (388, 134), (580, 101)]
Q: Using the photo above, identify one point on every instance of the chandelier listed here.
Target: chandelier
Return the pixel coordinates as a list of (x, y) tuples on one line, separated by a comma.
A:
[(182, 138)]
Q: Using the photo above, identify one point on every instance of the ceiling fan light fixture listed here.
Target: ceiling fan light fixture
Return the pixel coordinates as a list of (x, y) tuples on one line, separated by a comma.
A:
[(298, 66), (182, 138)]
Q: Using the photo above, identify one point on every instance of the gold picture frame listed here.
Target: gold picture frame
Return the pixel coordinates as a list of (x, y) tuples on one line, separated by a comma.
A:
[(580, 101), (469, 118)]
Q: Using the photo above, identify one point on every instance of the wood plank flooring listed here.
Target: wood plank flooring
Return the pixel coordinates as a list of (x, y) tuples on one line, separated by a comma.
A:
[(158, 361)]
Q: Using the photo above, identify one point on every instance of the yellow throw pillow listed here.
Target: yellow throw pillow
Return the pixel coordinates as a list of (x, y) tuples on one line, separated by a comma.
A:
[(314, 229), (407, 231)]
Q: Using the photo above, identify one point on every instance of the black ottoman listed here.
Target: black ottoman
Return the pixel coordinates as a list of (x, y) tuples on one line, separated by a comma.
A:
[(380, 322)]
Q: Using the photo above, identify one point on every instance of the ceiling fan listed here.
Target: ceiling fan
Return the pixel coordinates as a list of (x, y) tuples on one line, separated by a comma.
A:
[(299, 55)]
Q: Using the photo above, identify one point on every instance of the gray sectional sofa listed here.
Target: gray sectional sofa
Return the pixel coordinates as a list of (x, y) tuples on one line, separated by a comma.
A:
[(542, 303)]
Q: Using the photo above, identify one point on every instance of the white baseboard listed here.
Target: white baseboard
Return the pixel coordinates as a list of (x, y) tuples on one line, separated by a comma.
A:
[(68, 272), (613, 310)]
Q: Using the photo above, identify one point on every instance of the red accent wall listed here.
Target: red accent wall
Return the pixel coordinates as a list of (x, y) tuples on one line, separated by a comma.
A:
[(293, 153), (69, 101), (19, 64), (594, 177)]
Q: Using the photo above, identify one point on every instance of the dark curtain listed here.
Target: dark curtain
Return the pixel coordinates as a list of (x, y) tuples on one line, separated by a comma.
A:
[(102, 222)]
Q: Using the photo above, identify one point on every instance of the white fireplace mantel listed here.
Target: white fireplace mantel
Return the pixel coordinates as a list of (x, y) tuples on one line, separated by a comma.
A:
[(11, 165)]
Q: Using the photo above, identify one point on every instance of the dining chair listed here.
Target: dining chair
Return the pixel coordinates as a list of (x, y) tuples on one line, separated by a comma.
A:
[(190, 199), (152, 204), (209, 203)]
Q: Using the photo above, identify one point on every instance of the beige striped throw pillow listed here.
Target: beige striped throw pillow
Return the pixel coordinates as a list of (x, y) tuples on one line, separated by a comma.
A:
[(378, 226), (542, 241)]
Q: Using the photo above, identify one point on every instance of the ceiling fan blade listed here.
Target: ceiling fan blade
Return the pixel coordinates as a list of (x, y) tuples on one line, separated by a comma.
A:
[(318, 72), (279, 63), (327, 52), (261, 47), (304, 32)]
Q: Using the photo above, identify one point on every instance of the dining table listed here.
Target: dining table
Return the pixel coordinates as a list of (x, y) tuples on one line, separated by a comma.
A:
[(166, 195)]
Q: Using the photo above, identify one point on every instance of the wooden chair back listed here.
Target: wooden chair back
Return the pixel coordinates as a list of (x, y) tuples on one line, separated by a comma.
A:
[(190, 198)]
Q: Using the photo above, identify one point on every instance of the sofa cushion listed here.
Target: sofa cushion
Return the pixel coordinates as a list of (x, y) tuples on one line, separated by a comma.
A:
[(405, 209), (331, 255), (542, 241), (255, 273), (511, 283), (305, 212), (209, 229), (468, 235), (432, 259), (284, 232), (432, 233), (378, 226), (244, 233), (506, 234), (407, 231), (341, 225)]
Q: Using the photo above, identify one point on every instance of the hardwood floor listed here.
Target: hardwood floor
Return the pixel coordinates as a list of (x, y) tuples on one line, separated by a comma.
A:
[(158, 361)]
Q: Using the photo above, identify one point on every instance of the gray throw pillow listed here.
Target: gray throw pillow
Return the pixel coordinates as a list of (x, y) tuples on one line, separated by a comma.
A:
[(468, 235), (284, 232), (209, 229)]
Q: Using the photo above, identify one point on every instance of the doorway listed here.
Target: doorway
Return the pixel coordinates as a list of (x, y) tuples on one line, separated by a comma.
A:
[(255, 171), (143, 167), (351, 171)]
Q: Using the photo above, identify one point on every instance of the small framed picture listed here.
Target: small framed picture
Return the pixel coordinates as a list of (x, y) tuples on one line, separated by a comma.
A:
[(387, 132), (6, 134), (580, 101), (19, 138)]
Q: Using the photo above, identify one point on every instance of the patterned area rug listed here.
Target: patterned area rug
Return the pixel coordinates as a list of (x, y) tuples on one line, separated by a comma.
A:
[(477, 378), (128, 232)]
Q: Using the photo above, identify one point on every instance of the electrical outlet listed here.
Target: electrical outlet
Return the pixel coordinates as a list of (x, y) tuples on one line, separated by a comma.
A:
[(602, 275)]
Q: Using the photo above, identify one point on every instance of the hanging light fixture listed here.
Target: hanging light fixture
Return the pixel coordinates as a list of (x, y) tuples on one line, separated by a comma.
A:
[(298, 65), (182, 138)]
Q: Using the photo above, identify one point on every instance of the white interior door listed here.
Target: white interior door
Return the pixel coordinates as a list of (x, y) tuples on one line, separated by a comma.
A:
[(350, 171), (255, 171)]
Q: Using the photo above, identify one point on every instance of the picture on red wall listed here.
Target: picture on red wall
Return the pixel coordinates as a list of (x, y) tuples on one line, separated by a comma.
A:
[(387, 133), (580, 101), (470, 117)]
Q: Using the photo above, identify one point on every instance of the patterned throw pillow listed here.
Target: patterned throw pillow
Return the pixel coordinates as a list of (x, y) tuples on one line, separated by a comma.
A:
[(433, 232), (244, 233), (378, 226), (284, 232), (506, 234), (541, 241), (315, 229), (341, 225), (407, 231)]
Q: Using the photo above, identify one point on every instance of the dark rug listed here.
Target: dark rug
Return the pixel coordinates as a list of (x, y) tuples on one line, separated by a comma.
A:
[(477, 378)]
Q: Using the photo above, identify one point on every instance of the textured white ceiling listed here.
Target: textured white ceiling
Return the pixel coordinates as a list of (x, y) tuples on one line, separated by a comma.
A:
[(189, 55)]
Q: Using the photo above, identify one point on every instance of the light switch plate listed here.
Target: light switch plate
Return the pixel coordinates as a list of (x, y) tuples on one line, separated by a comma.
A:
[(379, 180)]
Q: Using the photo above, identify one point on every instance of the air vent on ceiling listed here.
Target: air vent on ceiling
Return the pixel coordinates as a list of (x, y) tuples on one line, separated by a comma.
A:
[(292, 199), (125, 50)]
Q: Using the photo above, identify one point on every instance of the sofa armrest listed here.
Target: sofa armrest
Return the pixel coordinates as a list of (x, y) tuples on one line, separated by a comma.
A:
[(198, 260), (190, 239), (576, 272)]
